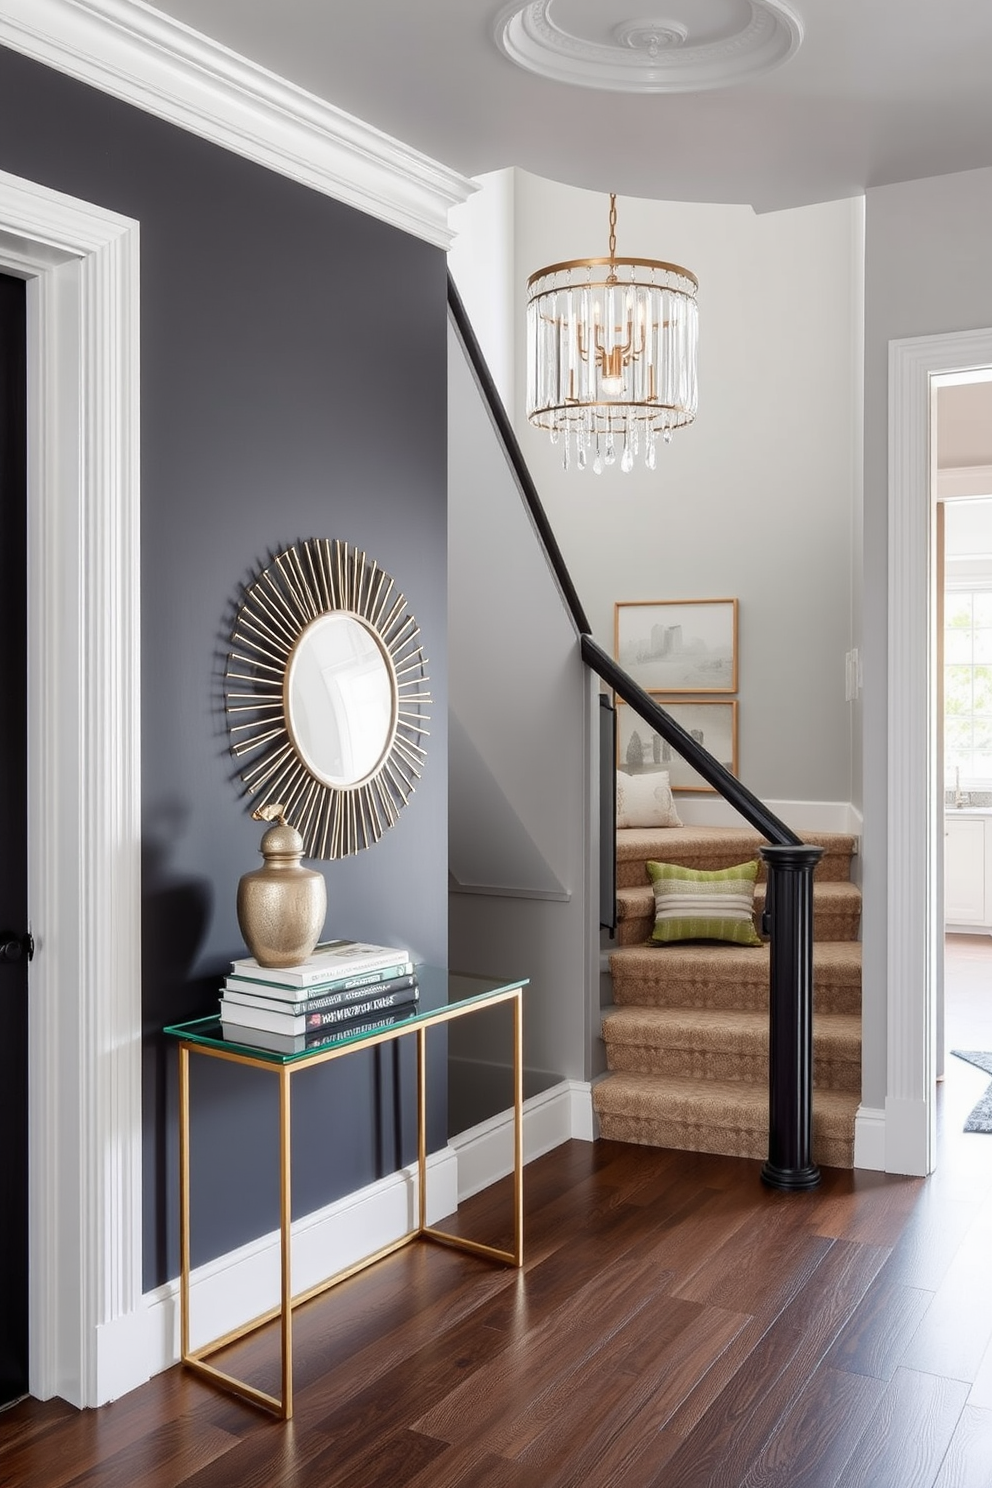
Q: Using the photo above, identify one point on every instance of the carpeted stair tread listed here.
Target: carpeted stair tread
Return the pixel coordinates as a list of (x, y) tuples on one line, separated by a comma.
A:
[(687, 1036), (718, 847), (836, 911), (725, 1045), (701, 975), (728, 1117)]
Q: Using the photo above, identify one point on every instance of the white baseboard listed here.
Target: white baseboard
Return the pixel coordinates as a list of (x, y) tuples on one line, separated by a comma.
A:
[(869, 1139), (808, 816), (485, 1152), (238, 1286), (907, 1136)]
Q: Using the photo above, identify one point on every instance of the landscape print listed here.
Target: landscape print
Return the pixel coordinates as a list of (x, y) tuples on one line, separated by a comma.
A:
[(640, 750), (678, 645)]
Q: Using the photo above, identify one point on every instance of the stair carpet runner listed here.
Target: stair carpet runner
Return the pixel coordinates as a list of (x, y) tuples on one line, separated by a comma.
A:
[(687, 1035)]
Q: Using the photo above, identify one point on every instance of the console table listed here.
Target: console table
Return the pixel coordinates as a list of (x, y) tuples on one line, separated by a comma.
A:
[(444, 996)]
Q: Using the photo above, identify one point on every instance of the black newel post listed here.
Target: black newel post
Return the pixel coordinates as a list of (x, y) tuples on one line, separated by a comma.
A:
[(790, 1034)]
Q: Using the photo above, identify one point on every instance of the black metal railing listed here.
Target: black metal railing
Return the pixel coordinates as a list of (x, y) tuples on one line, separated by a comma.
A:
[(789, 862)]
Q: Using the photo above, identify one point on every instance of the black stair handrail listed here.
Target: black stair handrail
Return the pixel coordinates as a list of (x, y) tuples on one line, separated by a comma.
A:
[(788, 860), (751, 808)]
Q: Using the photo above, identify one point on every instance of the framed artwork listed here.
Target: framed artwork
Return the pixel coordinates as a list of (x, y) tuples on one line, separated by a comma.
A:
[(678, 645), (640, 750)]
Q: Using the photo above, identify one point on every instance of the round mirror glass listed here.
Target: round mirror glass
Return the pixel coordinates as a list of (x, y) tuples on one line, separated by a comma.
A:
[(340, 699)]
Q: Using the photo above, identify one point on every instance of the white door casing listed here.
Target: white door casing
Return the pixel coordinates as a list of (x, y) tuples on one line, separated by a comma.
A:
[(912, 926), (81, 263)]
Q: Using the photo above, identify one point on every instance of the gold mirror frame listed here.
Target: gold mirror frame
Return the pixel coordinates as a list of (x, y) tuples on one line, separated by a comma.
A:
[(316, 577)]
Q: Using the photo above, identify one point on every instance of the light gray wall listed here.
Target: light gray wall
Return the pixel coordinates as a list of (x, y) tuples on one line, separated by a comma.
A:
[(758, 499), (519, 791), (926, 273)]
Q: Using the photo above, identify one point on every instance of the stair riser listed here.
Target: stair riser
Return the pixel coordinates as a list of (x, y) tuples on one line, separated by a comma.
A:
[(828, 996), (631, 872), (831, 1152), (830, 1072), (827, 925)]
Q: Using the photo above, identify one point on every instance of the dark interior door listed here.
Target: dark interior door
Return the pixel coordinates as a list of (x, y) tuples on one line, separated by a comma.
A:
[(13, 853)]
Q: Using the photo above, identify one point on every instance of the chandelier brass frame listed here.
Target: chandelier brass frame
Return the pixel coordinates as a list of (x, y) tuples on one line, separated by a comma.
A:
[(611, 355)]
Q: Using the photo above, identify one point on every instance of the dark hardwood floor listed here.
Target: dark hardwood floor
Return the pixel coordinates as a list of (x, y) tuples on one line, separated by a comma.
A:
[(675, 1324)]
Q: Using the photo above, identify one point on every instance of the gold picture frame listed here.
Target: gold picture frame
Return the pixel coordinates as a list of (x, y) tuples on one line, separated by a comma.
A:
[(678, 645), (713, 720)]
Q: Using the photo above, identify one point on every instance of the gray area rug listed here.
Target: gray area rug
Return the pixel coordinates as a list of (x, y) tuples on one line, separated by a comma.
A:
[(980, 1119)]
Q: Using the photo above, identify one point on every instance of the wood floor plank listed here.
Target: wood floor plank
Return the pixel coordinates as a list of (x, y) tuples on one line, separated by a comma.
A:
[(546, 1353), (934, 1232), (731, 1434), (818, 1433), (857, 1205), (980, 1394), (880, 1329), (956, 1329), (606, 1401), (968, 1462), (675, 1326), (760, 1267), (168, 1456), (904, 1444)]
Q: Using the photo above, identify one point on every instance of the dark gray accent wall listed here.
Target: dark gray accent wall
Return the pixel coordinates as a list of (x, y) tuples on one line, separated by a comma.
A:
[(293, 385)]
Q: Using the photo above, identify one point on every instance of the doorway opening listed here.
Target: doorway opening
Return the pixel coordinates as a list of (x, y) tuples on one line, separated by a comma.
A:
[(961, 424)]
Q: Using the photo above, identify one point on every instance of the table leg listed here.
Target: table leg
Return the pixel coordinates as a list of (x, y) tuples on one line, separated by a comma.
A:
[(285, 1241), (183, 1201), (422, 1128), (518, 1130)]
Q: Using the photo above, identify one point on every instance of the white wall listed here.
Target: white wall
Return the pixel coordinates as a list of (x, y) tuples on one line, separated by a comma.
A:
[(926, 273), (520, 820), (757, 499)]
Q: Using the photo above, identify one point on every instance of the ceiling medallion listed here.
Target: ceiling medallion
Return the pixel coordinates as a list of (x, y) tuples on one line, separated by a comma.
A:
[(650, 55), (651, 36)]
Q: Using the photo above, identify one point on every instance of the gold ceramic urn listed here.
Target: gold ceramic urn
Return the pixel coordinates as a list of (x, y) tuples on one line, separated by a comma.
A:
[(281, 906)]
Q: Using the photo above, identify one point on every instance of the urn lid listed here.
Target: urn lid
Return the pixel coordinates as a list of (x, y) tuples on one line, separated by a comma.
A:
[(281, 840)]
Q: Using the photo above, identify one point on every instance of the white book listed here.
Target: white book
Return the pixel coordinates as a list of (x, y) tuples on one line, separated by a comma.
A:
[(328, 962)]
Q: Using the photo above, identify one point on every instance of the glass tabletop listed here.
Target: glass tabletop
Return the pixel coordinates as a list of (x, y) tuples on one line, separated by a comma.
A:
[(438, 991)]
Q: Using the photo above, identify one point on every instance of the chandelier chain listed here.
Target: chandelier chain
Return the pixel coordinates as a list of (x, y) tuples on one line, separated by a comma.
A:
[(613, 227)]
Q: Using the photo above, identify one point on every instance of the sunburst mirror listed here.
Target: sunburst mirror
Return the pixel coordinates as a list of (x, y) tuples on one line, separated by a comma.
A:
[(325, 695)]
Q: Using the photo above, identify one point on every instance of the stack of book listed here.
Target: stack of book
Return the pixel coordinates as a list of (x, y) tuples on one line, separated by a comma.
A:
[(343, 986)]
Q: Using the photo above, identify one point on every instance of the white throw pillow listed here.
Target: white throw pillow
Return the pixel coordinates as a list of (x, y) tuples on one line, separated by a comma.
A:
[(645, 800)]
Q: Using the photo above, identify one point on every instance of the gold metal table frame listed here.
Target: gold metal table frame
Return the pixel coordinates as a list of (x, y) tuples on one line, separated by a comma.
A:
[(194, 1037)]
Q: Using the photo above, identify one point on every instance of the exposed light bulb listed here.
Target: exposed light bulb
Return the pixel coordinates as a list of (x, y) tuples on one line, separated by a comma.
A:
[(613, 386)]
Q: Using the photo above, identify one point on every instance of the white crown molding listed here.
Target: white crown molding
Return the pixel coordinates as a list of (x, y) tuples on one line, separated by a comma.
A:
[(84, 788), (128, 49)]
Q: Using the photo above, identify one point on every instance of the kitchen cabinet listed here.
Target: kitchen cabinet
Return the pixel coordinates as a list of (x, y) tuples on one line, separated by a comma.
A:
[(967, 873)]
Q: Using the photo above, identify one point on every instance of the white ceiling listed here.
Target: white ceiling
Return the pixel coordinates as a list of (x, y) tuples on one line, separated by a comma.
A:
[(878, 91)]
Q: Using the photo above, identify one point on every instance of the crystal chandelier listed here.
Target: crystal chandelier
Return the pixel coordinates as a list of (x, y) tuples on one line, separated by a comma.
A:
[(611, 355)]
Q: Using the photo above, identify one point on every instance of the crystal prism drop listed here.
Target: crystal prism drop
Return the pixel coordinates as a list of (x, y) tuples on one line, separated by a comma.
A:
[(627, 458), (597, 466)]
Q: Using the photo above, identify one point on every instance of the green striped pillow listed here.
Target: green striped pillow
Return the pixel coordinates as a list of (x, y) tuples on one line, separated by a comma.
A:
[(696, 904)]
